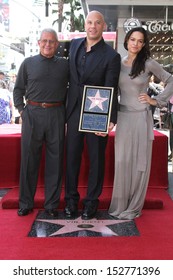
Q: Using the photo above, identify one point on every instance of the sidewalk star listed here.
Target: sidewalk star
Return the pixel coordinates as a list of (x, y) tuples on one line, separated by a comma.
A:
[(68, 226)]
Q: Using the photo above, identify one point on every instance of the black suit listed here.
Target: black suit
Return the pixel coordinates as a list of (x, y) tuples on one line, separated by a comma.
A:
[(101, 69)]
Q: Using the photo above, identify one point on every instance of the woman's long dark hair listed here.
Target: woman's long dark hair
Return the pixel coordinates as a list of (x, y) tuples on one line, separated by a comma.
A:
[(138, 65)]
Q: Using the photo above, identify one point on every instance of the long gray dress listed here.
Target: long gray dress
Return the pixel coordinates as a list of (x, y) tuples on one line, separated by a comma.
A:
[(133, 140)]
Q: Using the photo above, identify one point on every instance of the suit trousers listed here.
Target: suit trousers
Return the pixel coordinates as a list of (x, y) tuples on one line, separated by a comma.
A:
[(41, 126), (96, 146)]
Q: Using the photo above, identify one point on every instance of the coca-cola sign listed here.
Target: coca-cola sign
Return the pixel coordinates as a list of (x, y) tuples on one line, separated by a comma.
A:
[(156, 26)]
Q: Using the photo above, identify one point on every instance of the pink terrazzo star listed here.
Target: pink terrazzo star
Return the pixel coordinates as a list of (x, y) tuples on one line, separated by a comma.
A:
[(97, 100), (78, 224)]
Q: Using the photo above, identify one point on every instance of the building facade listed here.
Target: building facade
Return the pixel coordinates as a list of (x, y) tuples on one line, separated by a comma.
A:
[(155, 16)]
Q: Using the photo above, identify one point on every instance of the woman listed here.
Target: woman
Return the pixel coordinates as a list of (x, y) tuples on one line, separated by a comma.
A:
[(134, 131), (6, 106)]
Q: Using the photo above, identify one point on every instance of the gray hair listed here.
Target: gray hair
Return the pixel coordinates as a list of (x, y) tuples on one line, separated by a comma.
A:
[(49, 30)]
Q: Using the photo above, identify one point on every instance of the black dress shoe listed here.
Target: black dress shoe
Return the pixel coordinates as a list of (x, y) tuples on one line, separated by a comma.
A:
[(52, 212), (24, 211), (71, 210), (89, 211), (170, 157)]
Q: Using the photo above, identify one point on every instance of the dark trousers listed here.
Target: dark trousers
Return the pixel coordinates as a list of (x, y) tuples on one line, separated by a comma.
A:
[(96, 150), (41, 126)]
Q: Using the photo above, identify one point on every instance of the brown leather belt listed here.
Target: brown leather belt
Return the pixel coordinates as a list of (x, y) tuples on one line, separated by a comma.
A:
[(44, 104)]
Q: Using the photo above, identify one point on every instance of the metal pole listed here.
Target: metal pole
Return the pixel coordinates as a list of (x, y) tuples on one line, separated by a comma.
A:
[(47, 8), (132, 12), (166, 17)]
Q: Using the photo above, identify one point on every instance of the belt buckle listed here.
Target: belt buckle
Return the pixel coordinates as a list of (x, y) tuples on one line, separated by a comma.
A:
[(43, 105)]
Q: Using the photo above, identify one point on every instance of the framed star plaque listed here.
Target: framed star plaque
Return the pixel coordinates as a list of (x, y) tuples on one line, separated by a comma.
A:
[(96, 109)]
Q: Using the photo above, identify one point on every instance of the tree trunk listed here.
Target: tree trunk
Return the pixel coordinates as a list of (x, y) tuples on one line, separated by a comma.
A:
[(60, 14)]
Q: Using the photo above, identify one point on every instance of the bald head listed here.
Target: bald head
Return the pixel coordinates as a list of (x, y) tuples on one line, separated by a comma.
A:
[(95, 14), (94, 26)]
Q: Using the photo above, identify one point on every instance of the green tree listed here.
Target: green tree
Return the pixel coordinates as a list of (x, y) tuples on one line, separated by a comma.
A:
[(73, 17), (59, 11)]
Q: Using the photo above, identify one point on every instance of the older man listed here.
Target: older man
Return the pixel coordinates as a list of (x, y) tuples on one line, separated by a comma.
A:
[(42, 81)]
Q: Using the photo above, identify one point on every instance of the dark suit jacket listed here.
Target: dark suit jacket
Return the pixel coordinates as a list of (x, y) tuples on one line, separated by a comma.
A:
[(104, 71)]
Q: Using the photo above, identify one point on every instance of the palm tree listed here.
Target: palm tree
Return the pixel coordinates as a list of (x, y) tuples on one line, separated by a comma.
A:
[(76, 20), (59, 11)]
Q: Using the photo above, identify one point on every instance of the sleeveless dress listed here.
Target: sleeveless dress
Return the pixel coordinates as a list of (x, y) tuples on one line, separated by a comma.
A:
[(134, 139)]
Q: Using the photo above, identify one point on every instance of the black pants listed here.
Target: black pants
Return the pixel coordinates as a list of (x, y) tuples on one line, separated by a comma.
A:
[(41, 126), (96, 150)]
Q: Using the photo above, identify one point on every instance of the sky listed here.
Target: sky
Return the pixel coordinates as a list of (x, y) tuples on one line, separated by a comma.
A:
[(21, 14), (20, 21)]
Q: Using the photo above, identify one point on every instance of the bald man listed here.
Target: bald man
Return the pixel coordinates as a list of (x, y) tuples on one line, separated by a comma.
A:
[(92, 62)]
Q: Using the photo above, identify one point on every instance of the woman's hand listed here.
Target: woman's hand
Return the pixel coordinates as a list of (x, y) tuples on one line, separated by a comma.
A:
[(145, 98)]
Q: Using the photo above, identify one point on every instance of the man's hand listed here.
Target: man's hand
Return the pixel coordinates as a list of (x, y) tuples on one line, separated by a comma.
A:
[(111, 126)]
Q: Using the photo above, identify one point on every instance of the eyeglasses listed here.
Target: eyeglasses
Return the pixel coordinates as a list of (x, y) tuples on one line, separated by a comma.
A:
[(45, 41)]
